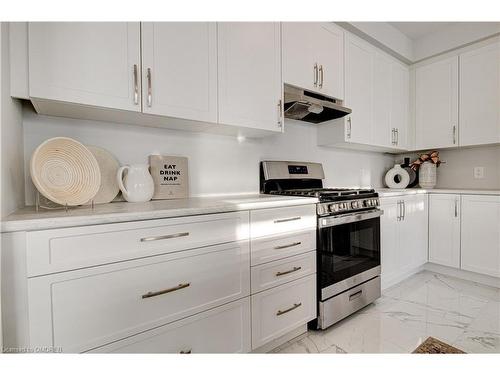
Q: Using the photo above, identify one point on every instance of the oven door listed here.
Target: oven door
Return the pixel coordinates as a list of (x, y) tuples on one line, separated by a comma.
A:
[(348, 251)]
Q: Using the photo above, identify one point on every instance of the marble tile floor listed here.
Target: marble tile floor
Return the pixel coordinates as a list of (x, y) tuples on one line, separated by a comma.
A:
[(461, 313)]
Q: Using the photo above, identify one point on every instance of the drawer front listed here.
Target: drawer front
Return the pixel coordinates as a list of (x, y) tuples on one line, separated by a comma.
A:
[(273, 221), (268, 249), (282, 271), (225, 329), (280, 310), (83, 309), (66, 249)]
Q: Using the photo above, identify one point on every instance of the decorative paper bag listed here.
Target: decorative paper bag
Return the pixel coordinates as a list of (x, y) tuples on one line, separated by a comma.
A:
[(170, 175)]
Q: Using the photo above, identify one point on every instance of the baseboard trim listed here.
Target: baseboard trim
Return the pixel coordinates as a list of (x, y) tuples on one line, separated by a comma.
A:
[(464, 275), (387, 282), (266, 348)]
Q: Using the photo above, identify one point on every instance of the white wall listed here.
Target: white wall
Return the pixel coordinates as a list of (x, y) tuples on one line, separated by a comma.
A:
[(11, 151), (217, 164), (457, 172)]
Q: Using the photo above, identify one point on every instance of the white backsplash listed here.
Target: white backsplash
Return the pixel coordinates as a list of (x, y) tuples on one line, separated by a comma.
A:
[(217, 164)]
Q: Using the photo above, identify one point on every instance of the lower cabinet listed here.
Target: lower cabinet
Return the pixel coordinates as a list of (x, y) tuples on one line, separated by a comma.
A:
[(444, 229), (403, 236), (480, 242), (282, 309), (225, 329)]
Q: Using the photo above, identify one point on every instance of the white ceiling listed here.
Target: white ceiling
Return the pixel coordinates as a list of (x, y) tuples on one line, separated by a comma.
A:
[(415, 30)]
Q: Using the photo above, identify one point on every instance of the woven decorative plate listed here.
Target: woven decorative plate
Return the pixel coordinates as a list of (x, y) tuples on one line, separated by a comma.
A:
[(108, 165), (65, 171)]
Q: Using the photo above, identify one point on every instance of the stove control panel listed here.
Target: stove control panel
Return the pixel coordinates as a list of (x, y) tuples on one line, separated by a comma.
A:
[(346, 206)]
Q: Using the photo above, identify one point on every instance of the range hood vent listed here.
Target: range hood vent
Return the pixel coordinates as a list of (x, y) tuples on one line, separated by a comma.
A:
[(312, 107)]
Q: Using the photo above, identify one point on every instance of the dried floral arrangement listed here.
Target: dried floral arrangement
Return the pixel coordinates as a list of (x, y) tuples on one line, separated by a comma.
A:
[(432, 157)]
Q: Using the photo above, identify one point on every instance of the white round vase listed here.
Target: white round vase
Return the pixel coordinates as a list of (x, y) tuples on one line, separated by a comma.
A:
[(427, 175), (397, 178)]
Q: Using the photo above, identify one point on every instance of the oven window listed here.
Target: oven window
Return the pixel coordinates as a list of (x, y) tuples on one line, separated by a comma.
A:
[(347, 250)]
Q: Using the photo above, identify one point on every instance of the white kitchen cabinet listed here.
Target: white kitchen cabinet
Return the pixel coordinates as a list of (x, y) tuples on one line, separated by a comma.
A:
[(404, 236), (480, 96), (436, 104), (249, 71), (313, 57), (400, 106), (480, 241), (179, 69), (383, 133), (444, 229), (359, 89), (88, 63)]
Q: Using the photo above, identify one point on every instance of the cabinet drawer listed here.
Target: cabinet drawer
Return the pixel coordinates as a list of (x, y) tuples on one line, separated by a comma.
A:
[(66, 249), (267, 249), (272, 274), (273, 221), (225, 329), (282, 309), (83, 309)]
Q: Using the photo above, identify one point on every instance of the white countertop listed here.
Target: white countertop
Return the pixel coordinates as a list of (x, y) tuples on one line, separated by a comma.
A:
[(27, 219), (386, 192)]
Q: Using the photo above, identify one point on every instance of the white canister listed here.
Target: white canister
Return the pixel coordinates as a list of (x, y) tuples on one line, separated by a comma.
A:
[(427, 175), (397, 178), (137, 185)]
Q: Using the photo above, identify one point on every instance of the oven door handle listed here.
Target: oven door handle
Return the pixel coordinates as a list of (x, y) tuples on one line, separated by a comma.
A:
[(325, 222)]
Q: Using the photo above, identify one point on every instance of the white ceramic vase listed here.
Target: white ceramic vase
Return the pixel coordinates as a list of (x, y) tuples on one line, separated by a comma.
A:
[(137, 185), (427, 175), (397, 178)]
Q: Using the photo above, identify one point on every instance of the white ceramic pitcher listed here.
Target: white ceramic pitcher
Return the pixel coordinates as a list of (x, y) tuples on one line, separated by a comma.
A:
[(137, 186)]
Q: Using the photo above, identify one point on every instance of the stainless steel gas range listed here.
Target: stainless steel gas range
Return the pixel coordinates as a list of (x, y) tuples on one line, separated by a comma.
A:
[(348, 237)]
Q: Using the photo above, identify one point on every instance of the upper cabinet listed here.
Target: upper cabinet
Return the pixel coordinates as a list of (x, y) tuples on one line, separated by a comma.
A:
[(313, 57), (377, 90), (480, 96), (436, 104), (179, 69), (89, 63), (249, 68)]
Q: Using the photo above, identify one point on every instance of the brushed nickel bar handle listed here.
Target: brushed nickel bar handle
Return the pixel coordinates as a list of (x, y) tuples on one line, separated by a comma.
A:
[(404, 209), (355, 295), (279, 113), (454, 134), (295, 305), (289, 219), (165, 237), (165, 291), (456, 208), (349, 128), (294, 269), (136, 85), (287, 246), (315, 74), (321, 76), (397, 135), (150, 90)]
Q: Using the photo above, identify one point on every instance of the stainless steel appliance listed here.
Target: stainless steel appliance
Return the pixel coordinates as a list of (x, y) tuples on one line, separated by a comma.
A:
[(348, 237), (312, 107)]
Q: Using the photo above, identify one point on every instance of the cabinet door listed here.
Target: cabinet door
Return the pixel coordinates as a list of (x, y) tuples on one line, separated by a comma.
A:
[(382, 134), (359, 83), (89, 63), (250, 86), (389, 238), (413, 234), (400, 108), (304, 47), (480, 96), (331, 60), (444, 229), (481, 234), (436, 104), (181, 61)]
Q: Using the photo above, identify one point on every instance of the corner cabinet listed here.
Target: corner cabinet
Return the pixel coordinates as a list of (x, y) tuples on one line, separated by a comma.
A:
[(436, 104), (313, 57), (403, 236), (444, 229), (179, 69), (89, 63), (249, 69)]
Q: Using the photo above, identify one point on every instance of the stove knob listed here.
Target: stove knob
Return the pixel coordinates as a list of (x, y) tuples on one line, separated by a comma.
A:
[(354, 205)]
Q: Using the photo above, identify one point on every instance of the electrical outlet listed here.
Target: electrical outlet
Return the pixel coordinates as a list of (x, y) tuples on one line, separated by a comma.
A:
[(478, 172)]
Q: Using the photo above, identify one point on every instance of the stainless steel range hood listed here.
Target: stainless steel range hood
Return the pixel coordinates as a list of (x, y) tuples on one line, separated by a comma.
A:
[(312, 107)]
